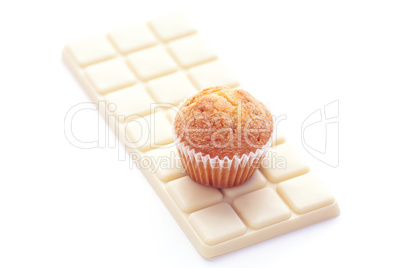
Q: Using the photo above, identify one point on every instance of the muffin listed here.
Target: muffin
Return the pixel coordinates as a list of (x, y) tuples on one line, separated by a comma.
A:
[(222, 135)]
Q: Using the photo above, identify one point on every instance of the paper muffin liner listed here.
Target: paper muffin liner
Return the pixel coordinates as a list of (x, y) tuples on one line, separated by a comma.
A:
[(217, 172)]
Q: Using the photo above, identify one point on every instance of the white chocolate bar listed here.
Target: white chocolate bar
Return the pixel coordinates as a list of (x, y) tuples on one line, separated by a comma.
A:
[(164, 61)]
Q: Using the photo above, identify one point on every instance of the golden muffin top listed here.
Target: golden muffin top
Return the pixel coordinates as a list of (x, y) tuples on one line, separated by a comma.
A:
[(220, 121)]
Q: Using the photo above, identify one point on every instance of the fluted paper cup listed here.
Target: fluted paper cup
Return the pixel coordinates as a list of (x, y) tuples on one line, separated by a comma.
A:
[(220, 172)]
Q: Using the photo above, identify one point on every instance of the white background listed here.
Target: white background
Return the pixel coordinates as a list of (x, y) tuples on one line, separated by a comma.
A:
[(61, 206)]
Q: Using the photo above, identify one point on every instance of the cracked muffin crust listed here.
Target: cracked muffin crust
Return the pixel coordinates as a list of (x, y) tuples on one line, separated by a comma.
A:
[(220, 121)]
